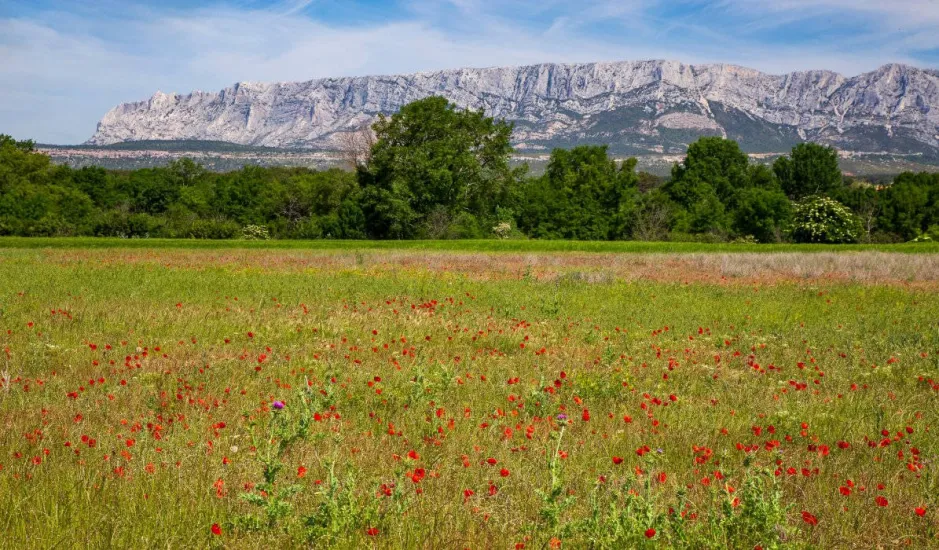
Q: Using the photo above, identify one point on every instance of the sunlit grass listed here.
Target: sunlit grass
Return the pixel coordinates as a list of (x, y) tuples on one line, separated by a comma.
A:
[(402, 375), (486, 245)]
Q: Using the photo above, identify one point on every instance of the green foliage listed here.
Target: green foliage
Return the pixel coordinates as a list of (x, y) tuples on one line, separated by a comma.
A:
[(823, 220), (757, 519), (181, 200), (811, 169), (762, 213), (255, 233), (620, 519), (701, 186), (213, 229), (712, 161), (582, 196), (339, 515), (286, 427), (910, 205), (436, 172), (431, 156), (553, 500)]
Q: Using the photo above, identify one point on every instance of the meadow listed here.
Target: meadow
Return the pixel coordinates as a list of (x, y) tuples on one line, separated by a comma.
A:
[(157, 395)]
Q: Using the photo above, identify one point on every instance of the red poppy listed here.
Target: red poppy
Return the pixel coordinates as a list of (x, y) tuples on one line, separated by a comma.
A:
[(920, 511), (216, 530), (617, 460), (881, 501), (301, 471), (371, 531), (809, 518), (503, 472), (650, 532)]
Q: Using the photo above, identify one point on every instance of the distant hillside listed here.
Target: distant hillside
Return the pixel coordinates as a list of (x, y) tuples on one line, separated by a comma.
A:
[(648, 107), (180, 145)]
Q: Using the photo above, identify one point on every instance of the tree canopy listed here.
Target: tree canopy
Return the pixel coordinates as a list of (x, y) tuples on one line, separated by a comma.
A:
[(435, 171), (811, 169), (434, 162), (582, 195)]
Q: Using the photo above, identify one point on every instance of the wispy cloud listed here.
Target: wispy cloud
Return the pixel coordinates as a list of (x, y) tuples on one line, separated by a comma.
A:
[(64, 64)]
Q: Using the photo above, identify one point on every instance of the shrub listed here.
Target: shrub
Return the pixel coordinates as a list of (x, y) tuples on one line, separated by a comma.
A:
[(48, 226), (350, 221), (119, 224), (503, 230), (213, 229), (707, 238), (10, 225), (762, 214), (311, 228), (255, 233), (882, 237), (464, 226), (824, 220)]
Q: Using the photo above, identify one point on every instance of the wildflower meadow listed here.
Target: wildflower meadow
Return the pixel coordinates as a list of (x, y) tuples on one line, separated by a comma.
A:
[(261, 398)]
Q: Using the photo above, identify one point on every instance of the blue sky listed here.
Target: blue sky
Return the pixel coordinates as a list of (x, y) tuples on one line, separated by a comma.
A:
[(63, 64)]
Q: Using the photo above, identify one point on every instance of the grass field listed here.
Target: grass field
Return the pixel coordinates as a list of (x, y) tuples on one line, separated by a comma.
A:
[(485, 245), (523, 398)]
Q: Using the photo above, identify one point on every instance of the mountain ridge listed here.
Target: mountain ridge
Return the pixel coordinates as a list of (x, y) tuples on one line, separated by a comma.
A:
[(654, 106)]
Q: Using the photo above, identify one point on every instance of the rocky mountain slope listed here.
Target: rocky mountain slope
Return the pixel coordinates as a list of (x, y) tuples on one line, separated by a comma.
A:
[(636, 107)]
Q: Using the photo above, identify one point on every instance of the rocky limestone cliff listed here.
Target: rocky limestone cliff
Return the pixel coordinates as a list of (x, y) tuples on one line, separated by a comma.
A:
[(636, 107)]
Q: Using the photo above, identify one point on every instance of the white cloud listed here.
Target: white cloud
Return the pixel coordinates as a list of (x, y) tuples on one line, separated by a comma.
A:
[(889, 22)]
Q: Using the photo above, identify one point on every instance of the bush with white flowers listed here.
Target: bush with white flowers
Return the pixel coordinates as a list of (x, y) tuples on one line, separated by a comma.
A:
[(255, 233), (824, 220), (503, 230)]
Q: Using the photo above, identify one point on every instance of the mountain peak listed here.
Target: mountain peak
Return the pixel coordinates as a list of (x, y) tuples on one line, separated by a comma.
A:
[(636, 107)]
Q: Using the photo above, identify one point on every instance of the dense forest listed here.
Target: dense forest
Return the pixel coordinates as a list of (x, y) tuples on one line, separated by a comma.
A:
[(432, 171)]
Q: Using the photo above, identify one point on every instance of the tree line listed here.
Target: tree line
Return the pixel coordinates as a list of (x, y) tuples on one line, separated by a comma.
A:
[(434, 171)]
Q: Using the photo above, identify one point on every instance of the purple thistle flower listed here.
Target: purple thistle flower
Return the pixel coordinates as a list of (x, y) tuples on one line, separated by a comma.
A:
[(562, 417), (278, 405)]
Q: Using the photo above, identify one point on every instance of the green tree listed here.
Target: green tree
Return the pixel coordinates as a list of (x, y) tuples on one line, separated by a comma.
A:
[(714, 161), (811, 169), (19, 165), (582, 195), (705, 184), (910, 205), (97, 183), (867, 202), (762, 213), (431, 156), (185, 172)]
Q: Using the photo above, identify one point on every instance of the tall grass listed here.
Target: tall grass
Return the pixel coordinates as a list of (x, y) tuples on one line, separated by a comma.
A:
[(443, 403), (486, 245)]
